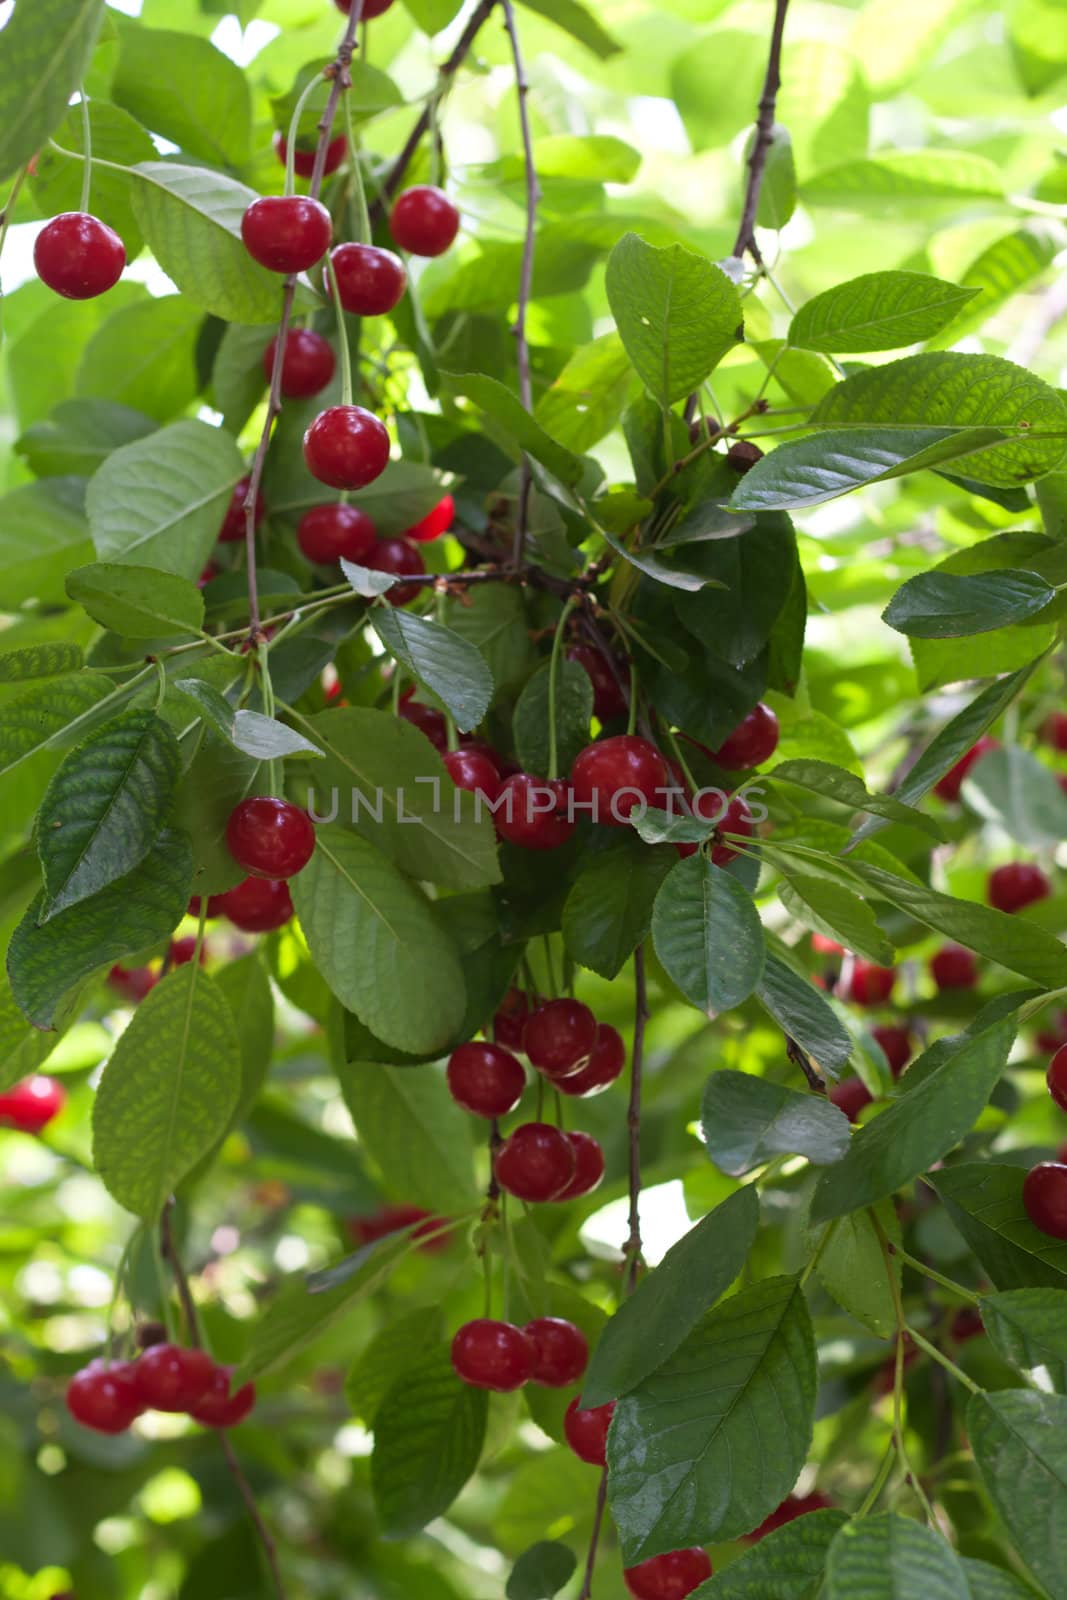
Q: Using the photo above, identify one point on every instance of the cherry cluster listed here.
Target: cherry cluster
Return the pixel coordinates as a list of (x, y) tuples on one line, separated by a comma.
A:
[(108, 1396), (1045, 1187)]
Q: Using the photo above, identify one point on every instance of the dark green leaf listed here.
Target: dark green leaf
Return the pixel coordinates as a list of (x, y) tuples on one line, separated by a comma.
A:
[(747, 1121), (138, 602), (944, 605), (428, 1436), (608, 911), (708, 935), (993, 1583), (39, 661), (400, 1347), (834, 783), (985, 1201), (888, 1557), (420, 1138), (57, 712), (445, 662), (798, 1007), (852, 1267), (1019, 1439), (497, 401), (574, 710), (747, 583), (541, 1571), (834, 911), (266, 738), (1029, 1328), (785, 1565)]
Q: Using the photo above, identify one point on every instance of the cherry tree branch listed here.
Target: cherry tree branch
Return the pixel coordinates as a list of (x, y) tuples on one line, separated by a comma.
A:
[(594, 1537), (757, 161), (633, 1120)]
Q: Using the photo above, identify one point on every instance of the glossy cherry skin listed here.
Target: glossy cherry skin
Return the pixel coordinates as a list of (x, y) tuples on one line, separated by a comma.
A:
[(104, 1397), (31, 1105), (132, 983), (850, 1096), (233, 523), (1054, 730), (948, 787), (561, 1351), (269, 837), (522, 818), (752, 742), (603, 1067), (304, 160), (559, 1037), (403, 559), (493, 1355), (535, 1163), (79, 256), (1056, 1078), (370, 281), (474, 771), (668, 1577), (586, 1431), (427, 719), (371, 8), (170, 1378), (346, 447), (609, 700), (870, 985), (485, 1079), (792, 1507), (509, 1022), (1045, 1198), (588, 1166), (434, 523), (1015, 885), (258, 905), (327, 534), (423, 221), (307, 365), (896, 1047), (737, 818), (613, 776), (217, 1407), (286, 233), (953, 967)]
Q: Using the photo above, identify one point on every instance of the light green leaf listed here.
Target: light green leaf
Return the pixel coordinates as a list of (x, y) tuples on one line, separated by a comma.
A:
[(137, 602), (420, 1138), (79, 435), (43, 533), (267, 739), (61, 710), (851, 1265), (365, 581), (707, 934), (574, 712), (1018, 792), (888, 1557), (1029, 1329), (878, 311), (444, 661), (834, 783), (493, 617), (118, 139), (185, 89), (46, 49), (428, 1437), (1019, 1439), (245, 987), (747, 1121), (39, 661), (985, 1201), (944, 605), (498, 402), (145, 357), (906, 175), (833, 910), (575, 20)]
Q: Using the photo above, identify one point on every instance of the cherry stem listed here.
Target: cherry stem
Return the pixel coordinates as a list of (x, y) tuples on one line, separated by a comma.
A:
[(342, 335), (533, 196), (294, 129), (553, 679), (87, 144), (949, 1365), (363, 230), (935, 1276), (910, 1476), (594, 1538)]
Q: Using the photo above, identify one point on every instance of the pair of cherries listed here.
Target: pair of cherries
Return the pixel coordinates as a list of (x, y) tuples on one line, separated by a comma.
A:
[(336, 532), (1045, 1186), (489, 1354), (109, 1396)]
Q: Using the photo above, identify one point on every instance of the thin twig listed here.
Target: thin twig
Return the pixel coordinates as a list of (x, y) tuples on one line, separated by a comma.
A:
[(594, 1538), (633, 1120), (757, 161), (533, 196)]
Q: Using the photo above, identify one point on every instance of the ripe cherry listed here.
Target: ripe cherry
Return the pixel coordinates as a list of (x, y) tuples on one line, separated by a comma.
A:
[(1045, 1198), (1015, 885), (485, 1079), (31, 1105), (948, 787), (588, 1166), (182, 951), (104, 1397), (823, 946), (390, 1219), (559, 1037), (370, 281), (737, 818), (132, 983), (257, 905), (967, 1324), (78, 256), (307, 365), (233, 523), (208, 571), (474, 771), (403, 559), (561, 1351), (535, 1163), (325, 534), (604, 1065), (371, 8), (614, 775), (493, 1355), (217, 1407), (535, 812), (213, 908), (850, 1096), (170, 1378), (269, 837), (423, 221), (668, 1577), (752, 742), (1056, 1077), (953, 967), (434, 523), (609, 698), (427, 719), (286, 233), (509, 1021), (304, 160), (1054, 730), (586, 1431), (792, 1506), (346, 447), (870, 984), (896, 1047), (1053, 1034)]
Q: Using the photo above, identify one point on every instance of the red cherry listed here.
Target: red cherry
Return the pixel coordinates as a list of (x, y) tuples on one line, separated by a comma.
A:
[(258, 905), (1054, 730), (182, 951), (286, 233), (434, 523), (132, 983), (752, 742), (561, 1351), (1053, 1034), (896, 1047), (217, 1407), (370, 281), (559, 1037), (588, 1166), (1056, 1077), (325, 534), (78, 256), (269, 837), (493, 1355), (485, 1079), (233, 523), (390, 1219), (371, 8), (1045, 1198), (1015, 885), (669, 1577), (613, 776), (953, 967), (346, 447), (104, 1397), (474, 771), (826, 947), (399, 557), (870, 985), (30, 1105), (304, 160), (586, 1431), (792, 1506), (208, 571), (213, 909), (307, 365), (509, 1022), (603, 1067), (850, 1096), (609, 699), (948, 787), (967, 1324), (427, 719), (423, 221), (170, 1378), (534, 813), (737, 818), (535, 1163)]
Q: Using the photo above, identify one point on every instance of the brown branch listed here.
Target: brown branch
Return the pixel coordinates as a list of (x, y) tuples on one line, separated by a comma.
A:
[(757, 161), (633, 1120), (522, 348), (594, 1539), (801, 1059)]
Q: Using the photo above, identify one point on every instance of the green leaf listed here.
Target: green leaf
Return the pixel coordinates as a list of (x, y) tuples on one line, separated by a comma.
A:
[(160, 501), (59, 711), (51, 660), (608, 911), (942, 605), (747, 583), (747, 1121), (245, 987), (377, 943), (1029, 1329), (655, 566), (907, 176), (399, 1347), (785, 1565), (493, 617), (145, 356), (217, 778), (138, 602), (46, 50), (1019, 1439), (117, 138), (22, 1048), (993, 1583), (799, 1008), (888, 1557), (541, 1571), (707, 934), (778, 192), (851, 1266), (43, 533), (444, 661), (79, 435), (834, 783), (498, 402), (834, 911), (180, 86), (574, 712), (586, 399), (105, 808), (365, 581), (985, 1201), (713, 1441), (1015, 790), (669, 1301), (428, 1437), (267, 739), (677, 314), (420, 1138), (578, 22), (878, 311), (168, 1091)]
